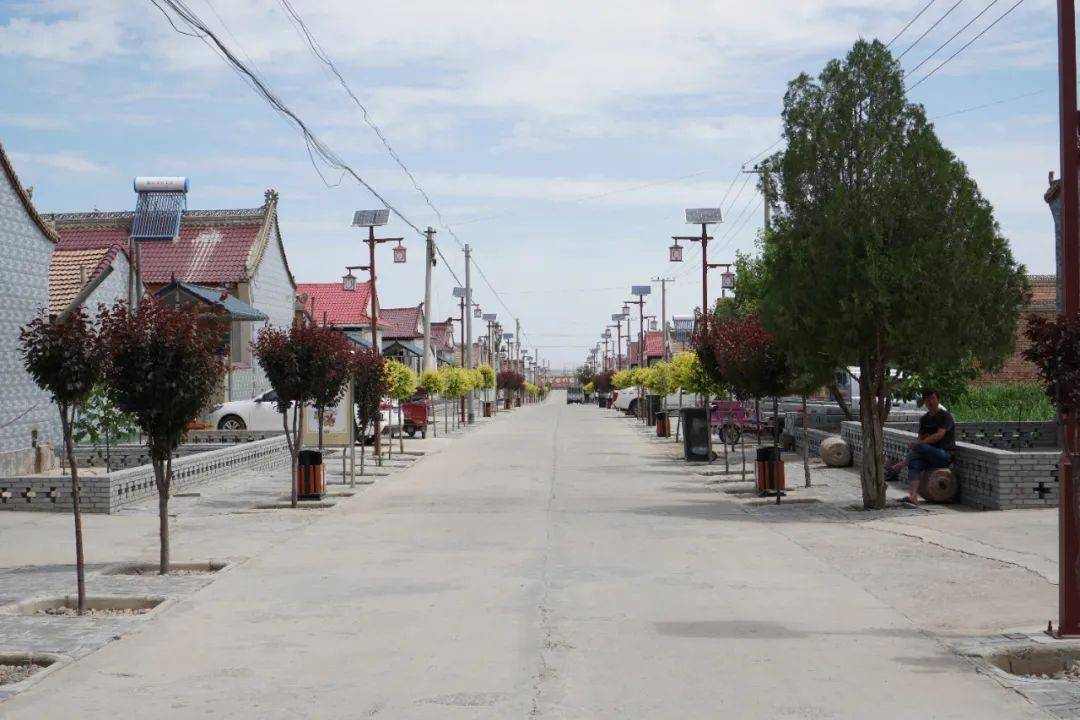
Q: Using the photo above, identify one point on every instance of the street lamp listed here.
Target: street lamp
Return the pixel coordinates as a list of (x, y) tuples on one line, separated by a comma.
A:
[(703, 217), (348, 282), (675, 252), (372, 219)]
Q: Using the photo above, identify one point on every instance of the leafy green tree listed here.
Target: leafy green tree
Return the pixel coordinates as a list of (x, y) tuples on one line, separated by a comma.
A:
[(431, 382), (369, 387), (400, 385), (883, 253), (99, 422)]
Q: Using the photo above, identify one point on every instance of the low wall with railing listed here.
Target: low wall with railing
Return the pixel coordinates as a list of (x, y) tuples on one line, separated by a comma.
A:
[(108, 492)]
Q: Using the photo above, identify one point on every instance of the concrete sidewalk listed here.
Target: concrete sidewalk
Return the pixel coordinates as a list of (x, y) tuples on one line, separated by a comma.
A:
[(555, 565)]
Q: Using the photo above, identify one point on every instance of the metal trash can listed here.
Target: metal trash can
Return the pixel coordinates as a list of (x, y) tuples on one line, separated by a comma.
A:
[(769, 471), (310, 475), (695, 422)]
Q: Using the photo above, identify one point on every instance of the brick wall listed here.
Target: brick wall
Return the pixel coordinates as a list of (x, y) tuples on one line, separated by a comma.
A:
[(1043, 304)]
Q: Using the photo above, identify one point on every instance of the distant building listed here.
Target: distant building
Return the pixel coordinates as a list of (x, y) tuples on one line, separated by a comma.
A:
[(442, 342), (1043, 303), (26, 244), (654, 349), (403, 335), (344, 305), (237, 251)]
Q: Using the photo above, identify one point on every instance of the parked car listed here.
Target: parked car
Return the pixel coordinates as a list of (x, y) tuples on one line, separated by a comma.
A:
[(260, 414), (625, 399)]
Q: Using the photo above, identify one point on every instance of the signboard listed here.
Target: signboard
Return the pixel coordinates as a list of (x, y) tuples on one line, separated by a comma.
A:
[(641, 290), (335, 424)]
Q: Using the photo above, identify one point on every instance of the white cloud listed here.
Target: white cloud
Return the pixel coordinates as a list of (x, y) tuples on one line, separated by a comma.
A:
[(64, 161)]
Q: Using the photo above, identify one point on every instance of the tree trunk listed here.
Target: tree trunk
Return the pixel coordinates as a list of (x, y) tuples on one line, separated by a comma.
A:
[(76, 508), (294, 451), (446, 418), (834, 391), (401, 429), (434, 417), (871, 421), (321, 416), (806, 444), (163, 479)]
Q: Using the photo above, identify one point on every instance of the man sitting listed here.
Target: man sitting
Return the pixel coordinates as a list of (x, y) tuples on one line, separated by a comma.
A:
[(935, 445)]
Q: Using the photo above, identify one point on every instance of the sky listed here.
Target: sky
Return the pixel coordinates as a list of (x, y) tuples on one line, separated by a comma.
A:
[(561, 140)]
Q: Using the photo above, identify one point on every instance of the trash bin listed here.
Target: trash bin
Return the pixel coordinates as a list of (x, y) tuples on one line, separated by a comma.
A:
[(695, 422), (488, 407), (310, 475), (663, 424), (769, 471)]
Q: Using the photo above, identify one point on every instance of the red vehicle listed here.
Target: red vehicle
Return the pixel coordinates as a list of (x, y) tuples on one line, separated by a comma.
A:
[(731, 419), (414, 418)]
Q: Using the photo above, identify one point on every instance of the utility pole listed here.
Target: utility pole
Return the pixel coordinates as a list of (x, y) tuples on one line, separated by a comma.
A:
[(429, 235), (468, 330), (663, 314), (517, 342), (1068, 541)]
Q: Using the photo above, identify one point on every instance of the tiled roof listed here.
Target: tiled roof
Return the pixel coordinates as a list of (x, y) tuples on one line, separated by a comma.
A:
[(213, 247), (442, 336), (402, 323), (1043, 289), (24, 196), (654, 346), (71, 270), (344, 308)]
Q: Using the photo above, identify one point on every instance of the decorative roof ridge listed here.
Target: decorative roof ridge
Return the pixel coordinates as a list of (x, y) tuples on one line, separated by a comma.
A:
[(121, 218), (24, 197)]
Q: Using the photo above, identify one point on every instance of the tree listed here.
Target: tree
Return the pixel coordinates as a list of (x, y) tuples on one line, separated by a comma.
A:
[(400, 385), (510, 382), (295, 362), (369, 387), (64, 358), (585, 374), (99, 421), (330, 371), (163, 366), (456, 384), (602, 381), (883, 254), (431, 383), (1055, 350)]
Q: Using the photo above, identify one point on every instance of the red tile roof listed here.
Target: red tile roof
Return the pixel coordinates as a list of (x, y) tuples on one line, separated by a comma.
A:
[(71, 270), (654, 346), (1043, 289), (442, 336), (402, 323), (344, 308), (214, 246)]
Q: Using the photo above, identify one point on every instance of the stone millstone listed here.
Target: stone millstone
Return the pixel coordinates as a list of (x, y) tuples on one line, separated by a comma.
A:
[(835, 452), (939, 486)]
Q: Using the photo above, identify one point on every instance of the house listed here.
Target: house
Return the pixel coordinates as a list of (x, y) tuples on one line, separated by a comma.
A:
[(345, 305), (654, 349), (27, 415), (1043, 302), (442, 342), (238, 252), (403, 335)]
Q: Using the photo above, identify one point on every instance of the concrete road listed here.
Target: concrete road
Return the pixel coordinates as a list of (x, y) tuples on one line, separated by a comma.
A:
[(550, 565)]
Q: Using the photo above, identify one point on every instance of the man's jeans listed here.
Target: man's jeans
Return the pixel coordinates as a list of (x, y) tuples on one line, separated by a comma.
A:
[(925, 457)]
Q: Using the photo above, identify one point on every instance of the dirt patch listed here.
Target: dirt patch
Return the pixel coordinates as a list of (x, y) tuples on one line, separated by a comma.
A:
[(93, 612)]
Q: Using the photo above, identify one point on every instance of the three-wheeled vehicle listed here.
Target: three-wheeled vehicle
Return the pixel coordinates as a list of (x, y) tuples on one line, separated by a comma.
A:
[(414, 418)]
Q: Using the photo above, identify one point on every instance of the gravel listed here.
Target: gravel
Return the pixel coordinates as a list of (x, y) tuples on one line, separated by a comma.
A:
[(10, 674)]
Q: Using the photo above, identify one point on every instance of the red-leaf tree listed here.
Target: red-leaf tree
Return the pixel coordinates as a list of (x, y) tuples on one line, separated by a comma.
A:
[(1055, 349), (163, 366), (64, 358), (369, 385), (294, 361)]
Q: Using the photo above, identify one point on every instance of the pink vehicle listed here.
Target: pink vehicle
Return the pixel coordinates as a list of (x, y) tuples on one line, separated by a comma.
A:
[(729, 419)]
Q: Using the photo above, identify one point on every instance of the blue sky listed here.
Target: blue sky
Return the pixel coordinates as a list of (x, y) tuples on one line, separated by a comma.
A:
[(562, 140)]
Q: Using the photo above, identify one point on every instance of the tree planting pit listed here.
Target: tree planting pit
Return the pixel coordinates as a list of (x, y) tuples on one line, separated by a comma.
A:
[(302, 505), (1039, 662), (96, 606), (175, 569), (17, 668)]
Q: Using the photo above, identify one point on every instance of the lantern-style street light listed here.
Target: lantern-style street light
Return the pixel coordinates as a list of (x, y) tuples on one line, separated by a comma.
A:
[(675, 252), (348, 282)]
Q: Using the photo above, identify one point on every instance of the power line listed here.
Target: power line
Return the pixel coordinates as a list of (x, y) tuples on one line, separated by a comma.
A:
[(1002, 101), (965, 46), (952, 37), (910, 22), (929, 30), (316, 48)]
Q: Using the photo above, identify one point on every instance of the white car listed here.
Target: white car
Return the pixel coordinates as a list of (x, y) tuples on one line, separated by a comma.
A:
[(625, 399), (261, 414)]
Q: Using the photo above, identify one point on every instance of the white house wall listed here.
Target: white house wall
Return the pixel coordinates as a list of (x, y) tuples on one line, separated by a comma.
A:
[(24, 290), (112, 288), (272, 291)]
